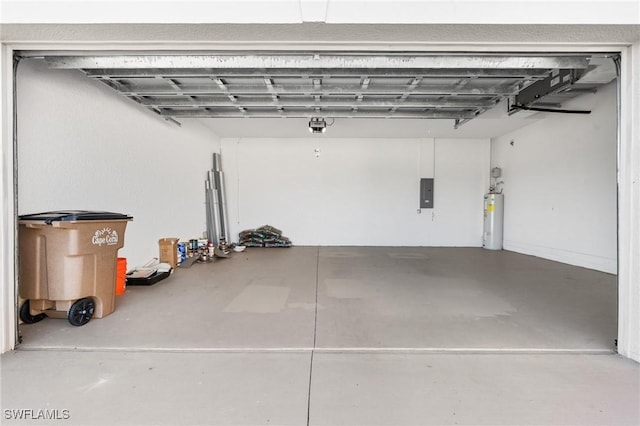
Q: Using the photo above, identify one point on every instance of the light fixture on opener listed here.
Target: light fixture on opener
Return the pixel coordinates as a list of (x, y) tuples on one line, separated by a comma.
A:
[(317, 125)]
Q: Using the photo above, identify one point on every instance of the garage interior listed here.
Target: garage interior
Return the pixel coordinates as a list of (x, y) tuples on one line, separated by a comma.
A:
[(372, 275), (456, 91)]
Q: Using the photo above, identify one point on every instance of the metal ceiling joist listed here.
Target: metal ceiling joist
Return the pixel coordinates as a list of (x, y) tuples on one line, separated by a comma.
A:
[(308, 114), (117, 85), (323, 103), (305, 62), (535, 73), (334, 90)]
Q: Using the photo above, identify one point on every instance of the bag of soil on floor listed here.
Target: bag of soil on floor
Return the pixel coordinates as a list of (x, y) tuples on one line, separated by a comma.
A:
[(264, 236), (276, 244), (252, 244), (269, 230), (246, 233), (251, 240)]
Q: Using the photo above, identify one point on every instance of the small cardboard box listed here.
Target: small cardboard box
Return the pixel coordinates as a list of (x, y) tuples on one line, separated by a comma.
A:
[(169, 251)]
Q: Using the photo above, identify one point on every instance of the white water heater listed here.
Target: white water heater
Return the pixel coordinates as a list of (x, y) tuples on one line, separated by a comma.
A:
[(493, 219)]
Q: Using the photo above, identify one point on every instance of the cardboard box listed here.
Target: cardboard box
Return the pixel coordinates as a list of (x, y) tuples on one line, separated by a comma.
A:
[(169, 251)]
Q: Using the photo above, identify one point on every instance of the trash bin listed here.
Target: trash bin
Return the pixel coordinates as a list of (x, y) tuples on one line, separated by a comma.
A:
[(68, 264)]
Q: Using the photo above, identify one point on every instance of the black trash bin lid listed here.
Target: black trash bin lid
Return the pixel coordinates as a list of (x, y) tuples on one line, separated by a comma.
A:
[(73, 215)]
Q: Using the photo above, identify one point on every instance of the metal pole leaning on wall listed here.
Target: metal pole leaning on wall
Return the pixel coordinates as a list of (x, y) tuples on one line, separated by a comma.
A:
[(211, 223), (214, 227), (215, 209), (222, 196), (217, 218)]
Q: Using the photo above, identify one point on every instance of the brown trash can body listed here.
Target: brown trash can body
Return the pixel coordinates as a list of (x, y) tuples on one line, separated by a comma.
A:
[(62, 261)]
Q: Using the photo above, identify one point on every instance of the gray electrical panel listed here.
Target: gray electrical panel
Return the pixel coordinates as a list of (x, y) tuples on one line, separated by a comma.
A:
[(426, 193)]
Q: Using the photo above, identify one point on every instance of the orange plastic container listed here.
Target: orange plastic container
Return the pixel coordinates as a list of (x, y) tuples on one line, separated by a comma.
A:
[(121, 276)]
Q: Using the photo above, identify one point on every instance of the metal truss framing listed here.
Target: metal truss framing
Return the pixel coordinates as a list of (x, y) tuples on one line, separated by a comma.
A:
[(329, 85)]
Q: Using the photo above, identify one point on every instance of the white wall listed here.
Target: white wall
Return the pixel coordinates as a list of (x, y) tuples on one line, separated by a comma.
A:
[(330, 11), (629, 206), (358, 191), (82, 146), (560, 184), (8, 309)]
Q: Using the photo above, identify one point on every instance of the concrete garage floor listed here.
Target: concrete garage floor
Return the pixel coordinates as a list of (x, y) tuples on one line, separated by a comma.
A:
[(344, 336)]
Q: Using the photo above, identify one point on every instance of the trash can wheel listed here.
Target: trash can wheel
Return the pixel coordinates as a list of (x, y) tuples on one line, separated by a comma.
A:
[(25, 314), (81, 311)]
